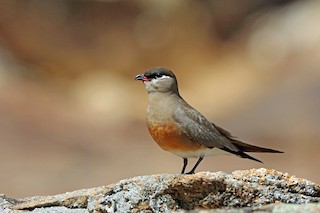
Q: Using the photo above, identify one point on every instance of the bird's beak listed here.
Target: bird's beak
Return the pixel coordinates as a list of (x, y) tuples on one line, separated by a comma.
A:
[(139, 77)]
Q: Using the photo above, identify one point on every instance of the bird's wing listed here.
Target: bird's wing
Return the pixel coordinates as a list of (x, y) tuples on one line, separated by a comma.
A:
[(242, 145), (199, 130)]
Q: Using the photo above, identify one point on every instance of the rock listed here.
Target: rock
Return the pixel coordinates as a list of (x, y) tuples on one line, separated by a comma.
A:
[(276, 208), (242, 191)]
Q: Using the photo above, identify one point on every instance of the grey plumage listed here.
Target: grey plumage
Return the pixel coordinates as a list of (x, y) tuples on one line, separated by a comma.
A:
[(179, 128)]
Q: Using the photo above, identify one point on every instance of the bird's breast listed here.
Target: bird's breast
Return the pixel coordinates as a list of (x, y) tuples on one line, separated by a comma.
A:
[(170, 138), (168, 134)]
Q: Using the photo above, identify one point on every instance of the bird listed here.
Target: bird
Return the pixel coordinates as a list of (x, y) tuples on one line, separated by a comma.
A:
[(182, 130)]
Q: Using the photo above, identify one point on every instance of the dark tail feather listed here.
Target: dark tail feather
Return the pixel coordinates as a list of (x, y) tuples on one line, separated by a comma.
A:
[(244, 147), (241, 154), (250, 148)]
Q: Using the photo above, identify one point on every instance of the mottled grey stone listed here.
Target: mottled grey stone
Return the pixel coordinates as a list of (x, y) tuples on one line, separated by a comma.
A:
[(242, 191)]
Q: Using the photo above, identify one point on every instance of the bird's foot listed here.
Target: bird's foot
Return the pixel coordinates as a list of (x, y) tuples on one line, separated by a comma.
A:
[(190, 173)]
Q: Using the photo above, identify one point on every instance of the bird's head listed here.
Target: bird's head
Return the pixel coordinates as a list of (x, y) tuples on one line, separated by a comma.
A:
[(159, 79)]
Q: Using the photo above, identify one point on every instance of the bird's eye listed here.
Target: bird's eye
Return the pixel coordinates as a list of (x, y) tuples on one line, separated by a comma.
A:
[(158, 75)]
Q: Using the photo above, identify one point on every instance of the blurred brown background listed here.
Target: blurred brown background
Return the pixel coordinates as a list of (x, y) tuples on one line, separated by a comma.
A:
[(73, 117)]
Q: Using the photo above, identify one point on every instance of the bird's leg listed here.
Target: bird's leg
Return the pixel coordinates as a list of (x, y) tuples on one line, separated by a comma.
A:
[(185, 163), (196, 165)]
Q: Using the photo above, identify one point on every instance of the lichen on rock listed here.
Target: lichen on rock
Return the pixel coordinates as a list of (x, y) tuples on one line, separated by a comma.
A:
[(248, 189)]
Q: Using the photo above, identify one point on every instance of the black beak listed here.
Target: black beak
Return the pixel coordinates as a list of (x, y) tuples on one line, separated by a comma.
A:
[(139, 77)]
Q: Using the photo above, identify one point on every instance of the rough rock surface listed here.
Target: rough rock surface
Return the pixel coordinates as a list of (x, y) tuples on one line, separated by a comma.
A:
[(241, 191)]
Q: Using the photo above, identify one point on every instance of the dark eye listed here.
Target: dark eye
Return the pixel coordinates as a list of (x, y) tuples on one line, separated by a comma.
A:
[(158, 75)]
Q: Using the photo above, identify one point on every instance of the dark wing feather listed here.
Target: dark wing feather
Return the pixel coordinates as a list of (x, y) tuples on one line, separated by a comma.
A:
[(199, 130), (244, 146)]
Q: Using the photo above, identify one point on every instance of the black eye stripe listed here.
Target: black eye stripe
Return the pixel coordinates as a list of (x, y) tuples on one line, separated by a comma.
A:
[(159, 75), (155, 75)]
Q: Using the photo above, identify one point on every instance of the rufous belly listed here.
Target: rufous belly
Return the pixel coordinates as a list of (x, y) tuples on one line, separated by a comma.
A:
[(169, 138)]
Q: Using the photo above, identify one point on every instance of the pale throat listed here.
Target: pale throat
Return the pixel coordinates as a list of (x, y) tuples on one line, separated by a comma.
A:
[(161, 107)]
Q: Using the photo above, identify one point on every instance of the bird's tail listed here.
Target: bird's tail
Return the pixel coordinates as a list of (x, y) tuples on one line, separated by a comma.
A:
[(244, 147), (250, 148), (241, 154)]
